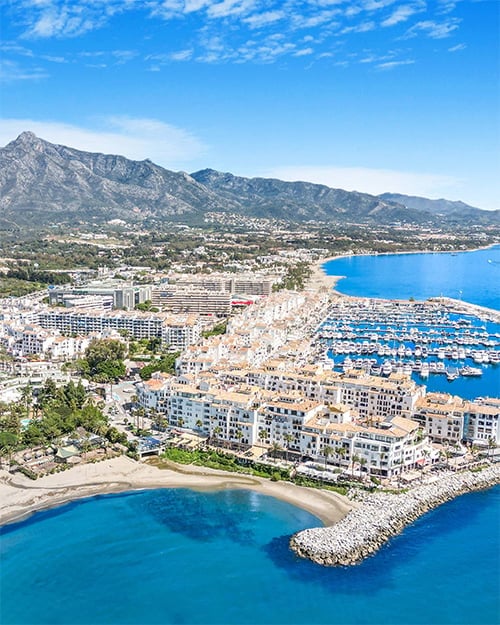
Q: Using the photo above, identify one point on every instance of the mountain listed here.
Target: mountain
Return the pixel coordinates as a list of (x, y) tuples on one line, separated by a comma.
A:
[(45, 183), (451, 210), (302, 201)]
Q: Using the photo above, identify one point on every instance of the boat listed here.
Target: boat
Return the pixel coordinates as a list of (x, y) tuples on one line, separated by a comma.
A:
[(471, 371)]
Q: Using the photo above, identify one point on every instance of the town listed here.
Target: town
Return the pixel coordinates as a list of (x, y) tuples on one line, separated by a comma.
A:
[(231, 362)]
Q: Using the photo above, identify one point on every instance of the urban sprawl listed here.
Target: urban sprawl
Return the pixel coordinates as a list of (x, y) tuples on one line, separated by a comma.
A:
[(260, 387)]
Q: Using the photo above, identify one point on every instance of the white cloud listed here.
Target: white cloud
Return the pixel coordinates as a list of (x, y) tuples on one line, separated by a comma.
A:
[(263, 19), (228, 8), (11, 71), (303, 52), (393, 64), (369, 180), (233, 21), (459, 46), (363, 27), (433, 29), (182, 55), (402, 14), (134, 138)]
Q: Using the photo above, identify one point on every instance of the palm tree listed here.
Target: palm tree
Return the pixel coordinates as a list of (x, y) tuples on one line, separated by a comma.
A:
[(275, 447), (327, 452), (8, 442), (340, 451), (354, 459), (199, 424), (263, 435), (491, 445), (363, 461), (288, 438), (239, 436), (27, 397), (217, 431)]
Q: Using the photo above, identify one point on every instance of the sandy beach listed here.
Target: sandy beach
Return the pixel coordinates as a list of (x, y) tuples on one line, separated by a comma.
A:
[(20, 496)]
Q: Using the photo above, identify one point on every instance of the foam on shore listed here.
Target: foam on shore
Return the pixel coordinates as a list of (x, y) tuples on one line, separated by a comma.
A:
[(380, 516)]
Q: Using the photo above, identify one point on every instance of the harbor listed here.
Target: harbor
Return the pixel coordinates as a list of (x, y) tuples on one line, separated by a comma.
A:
[(419, 339)]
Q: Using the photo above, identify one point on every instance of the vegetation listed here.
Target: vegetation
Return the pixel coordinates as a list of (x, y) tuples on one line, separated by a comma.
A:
[(103, 361), (12, 287), (295, 277), (166, 365), (147, 306), (218, 329), (53, 413), (28, 273), (224, 462)]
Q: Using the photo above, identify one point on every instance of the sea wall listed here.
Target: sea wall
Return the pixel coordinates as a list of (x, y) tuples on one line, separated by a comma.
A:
[(380, 516)]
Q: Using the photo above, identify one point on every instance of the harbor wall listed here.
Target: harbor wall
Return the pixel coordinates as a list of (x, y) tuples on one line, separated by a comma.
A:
[(380, 516)]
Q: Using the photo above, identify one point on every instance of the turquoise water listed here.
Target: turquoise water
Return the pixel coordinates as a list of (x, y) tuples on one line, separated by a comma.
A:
[(471, 276), (176, 556)]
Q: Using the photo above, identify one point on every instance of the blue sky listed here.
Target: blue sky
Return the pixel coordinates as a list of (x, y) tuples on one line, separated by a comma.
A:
[(372, 95)]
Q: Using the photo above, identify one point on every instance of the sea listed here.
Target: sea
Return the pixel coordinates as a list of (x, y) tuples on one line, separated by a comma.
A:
[(184, 557)]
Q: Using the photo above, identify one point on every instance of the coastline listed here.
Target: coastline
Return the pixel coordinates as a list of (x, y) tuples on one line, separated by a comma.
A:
[(322, 261), (21, 497), (381, 516), (319, 274)]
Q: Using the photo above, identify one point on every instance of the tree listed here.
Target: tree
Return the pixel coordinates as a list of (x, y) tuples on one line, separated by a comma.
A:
[(217, 431), (8, 442), (199, 424), (354, 459), (27, 398), (239, 436), (491, 445), (341, 452), (363, 461), (263, 435), (275, 447), (104, 359), (327, 452), (288, 439)]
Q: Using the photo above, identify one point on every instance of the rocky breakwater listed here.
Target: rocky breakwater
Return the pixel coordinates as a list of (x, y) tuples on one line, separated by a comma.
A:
[(380, 516)]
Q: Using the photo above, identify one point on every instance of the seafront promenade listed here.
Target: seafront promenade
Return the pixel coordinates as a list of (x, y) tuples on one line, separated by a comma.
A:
[(381, 516)]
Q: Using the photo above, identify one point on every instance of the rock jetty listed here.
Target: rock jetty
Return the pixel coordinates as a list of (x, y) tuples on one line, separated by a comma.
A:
[(380, 516)]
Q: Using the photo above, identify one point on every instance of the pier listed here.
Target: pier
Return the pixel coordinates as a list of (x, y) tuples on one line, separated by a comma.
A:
[(381, 516)]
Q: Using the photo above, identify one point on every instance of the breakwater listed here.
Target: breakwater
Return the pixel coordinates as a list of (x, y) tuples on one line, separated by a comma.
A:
[(380, 516)]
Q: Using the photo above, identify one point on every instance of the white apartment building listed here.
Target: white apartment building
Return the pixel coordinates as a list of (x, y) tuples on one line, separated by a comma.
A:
[(483, 417), (443, 416), (250, 415), (180, 331)]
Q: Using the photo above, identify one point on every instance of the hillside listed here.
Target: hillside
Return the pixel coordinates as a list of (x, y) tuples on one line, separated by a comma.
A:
[(42, 183), (451, 210)]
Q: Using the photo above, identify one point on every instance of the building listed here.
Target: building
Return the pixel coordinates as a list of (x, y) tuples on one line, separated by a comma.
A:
[(124, 296)]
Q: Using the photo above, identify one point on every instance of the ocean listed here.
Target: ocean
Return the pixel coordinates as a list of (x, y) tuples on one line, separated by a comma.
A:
[(184, 557), (179, 557), (471, 276)]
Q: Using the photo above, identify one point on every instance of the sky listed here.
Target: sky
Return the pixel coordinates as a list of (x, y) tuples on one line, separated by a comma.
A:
[(368, 95)]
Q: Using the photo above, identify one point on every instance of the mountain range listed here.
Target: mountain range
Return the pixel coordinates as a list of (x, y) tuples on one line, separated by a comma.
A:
[(43, 183)]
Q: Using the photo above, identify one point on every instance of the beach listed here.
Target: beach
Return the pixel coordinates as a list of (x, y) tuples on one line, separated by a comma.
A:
[(20, 496)]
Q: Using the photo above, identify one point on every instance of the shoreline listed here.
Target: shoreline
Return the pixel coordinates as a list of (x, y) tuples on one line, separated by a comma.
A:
[(21, 497), (318, 268), (381, 516), (322, 261)]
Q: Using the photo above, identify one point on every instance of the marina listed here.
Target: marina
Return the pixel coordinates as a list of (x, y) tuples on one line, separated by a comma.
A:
[(419, 339)]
